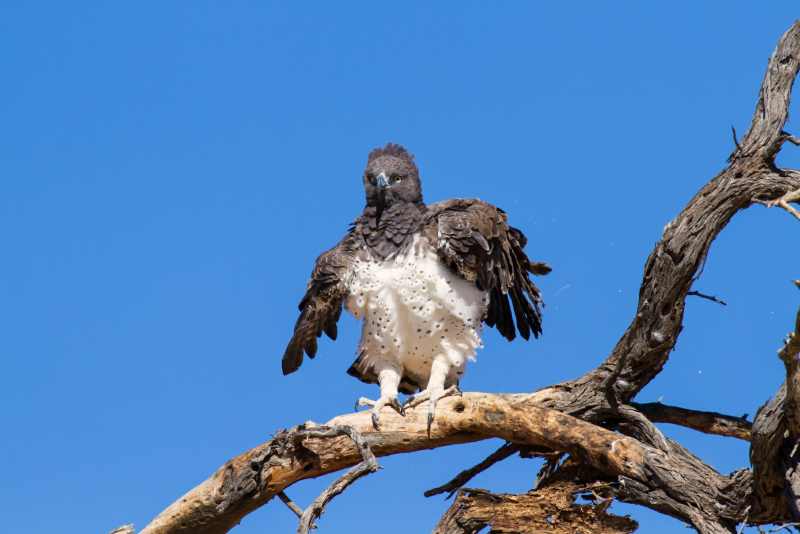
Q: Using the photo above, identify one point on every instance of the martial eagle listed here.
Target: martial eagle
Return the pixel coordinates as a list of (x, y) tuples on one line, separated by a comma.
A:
[(423, 279)]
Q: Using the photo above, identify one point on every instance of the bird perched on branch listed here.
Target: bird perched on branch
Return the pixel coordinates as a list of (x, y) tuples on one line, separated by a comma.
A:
[(423, 279)]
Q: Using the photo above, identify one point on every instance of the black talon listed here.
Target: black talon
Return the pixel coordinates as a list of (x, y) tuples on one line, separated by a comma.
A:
[(375, 420), (430, 422), (355, 406), (399, 408)]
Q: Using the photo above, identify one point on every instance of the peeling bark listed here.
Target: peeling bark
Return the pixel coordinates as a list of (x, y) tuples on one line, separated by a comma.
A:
[(552, 510)]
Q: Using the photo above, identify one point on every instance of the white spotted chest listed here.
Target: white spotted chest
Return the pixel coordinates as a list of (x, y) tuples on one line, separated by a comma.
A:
[(414, 308)]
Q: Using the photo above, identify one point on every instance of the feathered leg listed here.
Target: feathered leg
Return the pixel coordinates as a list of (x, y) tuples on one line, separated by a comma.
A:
[(440, 369), (389, 380)]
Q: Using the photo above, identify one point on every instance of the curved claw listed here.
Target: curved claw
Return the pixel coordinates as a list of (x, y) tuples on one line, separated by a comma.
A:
[(430, 422), (399, 408), (376, 421)]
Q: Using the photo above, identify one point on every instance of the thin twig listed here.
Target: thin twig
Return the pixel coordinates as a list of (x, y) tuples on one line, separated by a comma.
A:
[(712, 298), (367, 466), (783, 202), (786, 526), (736, 142), (744, 523), (789, 137), (290, 503), (465, 476)]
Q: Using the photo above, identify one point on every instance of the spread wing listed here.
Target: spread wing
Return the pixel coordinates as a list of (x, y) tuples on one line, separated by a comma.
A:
[(474, 239), (321, 306)]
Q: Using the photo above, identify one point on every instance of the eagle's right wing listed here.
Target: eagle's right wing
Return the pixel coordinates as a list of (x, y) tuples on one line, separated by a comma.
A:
[(475, 240), (321, 306)]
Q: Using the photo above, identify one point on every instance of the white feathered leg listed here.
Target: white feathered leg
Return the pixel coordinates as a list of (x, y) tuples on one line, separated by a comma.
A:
[(440, 369), (389, 380)]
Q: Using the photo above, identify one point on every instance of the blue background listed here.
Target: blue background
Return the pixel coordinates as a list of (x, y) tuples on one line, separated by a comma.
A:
[(170, 170)]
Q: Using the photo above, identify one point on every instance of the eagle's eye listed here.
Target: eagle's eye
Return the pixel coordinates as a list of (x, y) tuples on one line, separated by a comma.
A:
[(397, 179)]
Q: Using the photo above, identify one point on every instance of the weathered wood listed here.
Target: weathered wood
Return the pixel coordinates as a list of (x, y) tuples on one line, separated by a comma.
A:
[(706, 422), (774, 451), (451, 487), (551, 510), (251, 479), (766, 448)]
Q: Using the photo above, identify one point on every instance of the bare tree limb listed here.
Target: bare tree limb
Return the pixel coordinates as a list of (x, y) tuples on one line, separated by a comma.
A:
[(707, 422), (506, 450), (367, 466), (290, 504), (783, 202), (791, 138), (256, 476)]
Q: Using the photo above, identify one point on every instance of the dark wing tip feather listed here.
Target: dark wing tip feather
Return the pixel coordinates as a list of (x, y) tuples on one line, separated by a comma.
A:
[(331, 330), (539, 267), (311, 346), (320, 307), (292, 359)]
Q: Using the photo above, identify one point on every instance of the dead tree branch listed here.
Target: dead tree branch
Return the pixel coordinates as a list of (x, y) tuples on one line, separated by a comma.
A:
[(507, 450), (368, 465), (706, 422), (251, 479)]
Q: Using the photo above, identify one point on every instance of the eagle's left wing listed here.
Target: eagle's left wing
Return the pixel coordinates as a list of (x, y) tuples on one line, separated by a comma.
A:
[(474, 239), (322, 303)]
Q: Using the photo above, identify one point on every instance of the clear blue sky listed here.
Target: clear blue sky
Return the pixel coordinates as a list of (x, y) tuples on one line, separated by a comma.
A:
[(170, 170)]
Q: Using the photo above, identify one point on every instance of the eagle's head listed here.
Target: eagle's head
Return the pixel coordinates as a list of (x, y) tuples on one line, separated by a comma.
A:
[(391, 176)]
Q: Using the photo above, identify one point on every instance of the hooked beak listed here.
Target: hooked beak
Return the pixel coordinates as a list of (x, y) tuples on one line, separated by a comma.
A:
[(382, 183)]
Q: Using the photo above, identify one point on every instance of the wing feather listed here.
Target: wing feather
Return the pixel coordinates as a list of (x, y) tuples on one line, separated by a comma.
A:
[(475, 240), (321, 305)]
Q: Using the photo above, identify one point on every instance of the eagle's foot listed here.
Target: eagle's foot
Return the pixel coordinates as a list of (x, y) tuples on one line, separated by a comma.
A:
[(377, 405), (433, 395)]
